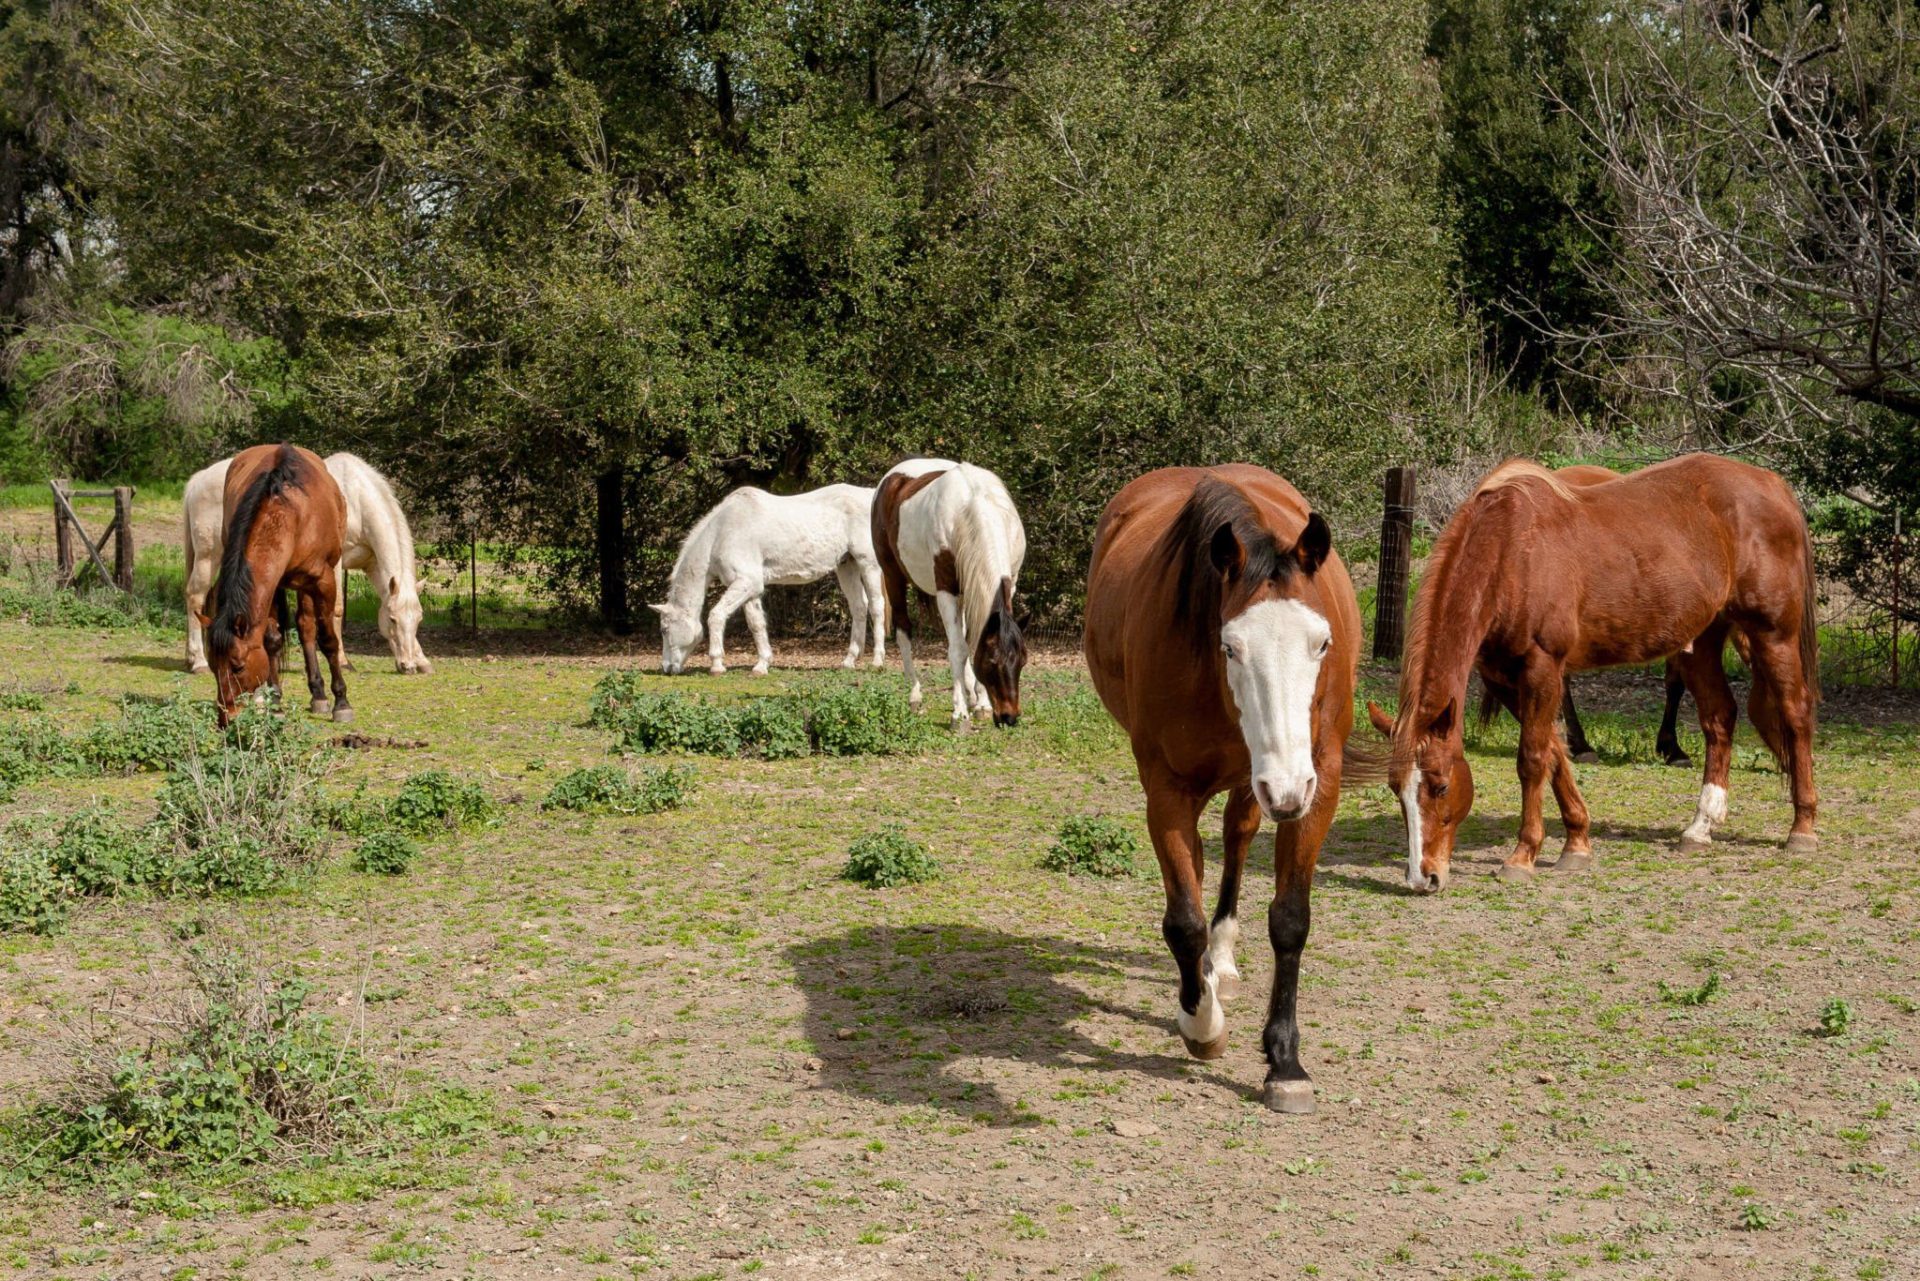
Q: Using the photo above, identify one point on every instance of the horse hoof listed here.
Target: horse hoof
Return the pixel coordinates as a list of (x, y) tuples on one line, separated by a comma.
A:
[(343, 716), (1514, 873), (1206, 1049), (1694, 844), (718, 669), (759, 669), (198, 669), (1575, 861), (1682, 761), (1588, 757), (320, 707), (1295, 1098), (1226, 985), (1802, 843)]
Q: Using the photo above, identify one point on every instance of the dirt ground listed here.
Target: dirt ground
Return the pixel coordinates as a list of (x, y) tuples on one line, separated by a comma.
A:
[(711, 1057)]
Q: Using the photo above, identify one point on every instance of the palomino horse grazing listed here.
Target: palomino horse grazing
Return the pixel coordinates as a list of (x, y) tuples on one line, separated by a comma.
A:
[(1533, 577), (753, 540), (378, 542), (949, 530), (1223, 635), (285, 520)]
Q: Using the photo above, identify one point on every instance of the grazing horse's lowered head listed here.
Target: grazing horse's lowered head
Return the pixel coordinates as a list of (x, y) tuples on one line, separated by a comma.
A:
[(1435, 785), (1239, 587), (680, 631), (1000, 657)]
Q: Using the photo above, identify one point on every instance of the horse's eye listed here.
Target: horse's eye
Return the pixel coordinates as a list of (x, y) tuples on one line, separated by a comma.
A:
[(1440, 789), (1229, 652), (1325, 645)]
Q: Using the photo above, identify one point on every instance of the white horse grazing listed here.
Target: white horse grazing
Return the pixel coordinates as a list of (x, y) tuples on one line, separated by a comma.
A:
[(754, 540), (378, 543), (950, 531)]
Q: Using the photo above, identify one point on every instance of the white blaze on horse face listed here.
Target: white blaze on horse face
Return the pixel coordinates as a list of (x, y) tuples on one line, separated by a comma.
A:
[(1410, 803), (1274, 650)]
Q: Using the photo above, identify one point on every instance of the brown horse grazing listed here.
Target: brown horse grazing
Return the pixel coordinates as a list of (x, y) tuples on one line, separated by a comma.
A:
[(285, 524), (1533, 577), (1222, 633)]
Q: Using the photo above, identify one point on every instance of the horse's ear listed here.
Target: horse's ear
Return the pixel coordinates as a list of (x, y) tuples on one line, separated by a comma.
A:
[(393, 586), (205, 620), (660, 609), (1381, 721), (1229, 557), (1316, 540), (1442, 724), (1024, 621)]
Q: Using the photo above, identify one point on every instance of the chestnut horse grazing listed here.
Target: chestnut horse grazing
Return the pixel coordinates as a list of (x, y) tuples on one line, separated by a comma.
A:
[(1533, 577), (1222, 634), (950, 531), (285, 524)]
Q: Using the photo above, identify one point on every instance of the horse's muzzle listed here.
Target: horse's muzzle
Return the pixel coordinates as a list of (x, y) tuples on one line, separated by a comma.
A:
[(1006, 720)]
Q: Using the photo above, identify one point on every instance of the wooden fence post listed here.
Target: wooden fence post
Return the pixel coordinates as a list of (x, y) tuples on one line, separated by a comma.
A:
[(62, 539), (1396, 565), (123, 537)]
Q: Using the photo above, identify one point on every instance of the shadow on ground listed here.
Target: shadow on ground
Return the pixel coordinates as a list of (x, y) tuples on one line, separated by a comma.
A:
[(921, 1001)]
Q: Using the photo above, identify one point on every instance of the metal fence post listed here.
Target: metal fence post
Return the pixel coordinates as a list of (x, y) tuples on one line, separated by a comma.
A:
[(1396, 565)]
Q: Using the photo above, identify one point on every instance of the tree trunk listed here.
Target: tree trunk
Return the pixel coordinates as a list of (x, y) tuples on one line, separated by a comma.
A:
[(610, 541)]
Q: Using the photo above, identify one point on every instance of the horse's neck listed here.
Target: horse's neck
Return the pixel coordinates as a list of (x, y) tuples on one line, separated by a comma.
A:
[(987, 559), (388, 537), (1461, 614), (688, 586)]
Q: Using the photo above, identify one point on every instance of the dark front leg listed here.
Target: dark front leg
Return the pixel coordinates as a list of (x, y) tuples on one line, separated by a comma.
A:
[(1296, 852), (336, 651), (309, 630), (1668, 742), (1173, 816), (277, 642), (1576, 733)]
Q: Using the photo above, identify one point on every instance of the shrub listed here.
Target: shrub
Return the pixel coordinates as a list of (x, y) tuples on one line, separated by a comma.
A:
[(21, 700), (773, 728), (33, 896), (245, 817), (1094, 845), (99, 854), (610, 789), (1836, 1017), (676, 723), (612, 695), (250, 1071), (35, 748), (386, 853), (44, 605), (434, 800), (889, 857), (864, 720), (150, 735)]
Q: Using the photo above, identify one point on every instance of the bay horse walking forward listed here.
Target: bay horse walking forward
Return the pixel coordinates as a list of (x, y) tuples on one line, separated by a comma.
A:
[(285, 523), (950, 531), (1223, 635), (1533, 577)]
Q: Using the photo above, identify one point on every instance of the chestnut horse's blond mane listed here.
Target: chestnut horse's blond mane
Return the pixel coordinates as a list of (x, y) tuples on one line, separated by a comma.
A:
[(1515, 473)]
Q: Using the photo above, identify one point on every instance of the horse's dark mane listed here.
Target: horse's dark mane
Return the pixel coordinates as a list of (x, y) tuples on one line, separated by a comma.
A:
[(1186, 548), (234, 592)]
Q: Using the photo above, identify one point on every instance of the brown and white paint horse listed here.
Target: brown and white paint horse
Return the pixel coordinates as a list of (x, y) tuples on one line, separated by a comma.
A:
[(1223, 635), (285, 525), (950, 531), (1534, 577)]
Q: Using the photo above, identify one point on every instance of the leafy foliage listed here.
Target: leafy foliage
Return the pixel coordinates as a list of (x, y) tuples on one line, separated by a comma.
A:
[(888, 857), (436, 801), (245, 818), (611, 789), (870, 719), (33, 894), (1836, 1017), (835, 719), (96, 853), (386, 853), (1094, 845), (150, 735), (1692, 995)]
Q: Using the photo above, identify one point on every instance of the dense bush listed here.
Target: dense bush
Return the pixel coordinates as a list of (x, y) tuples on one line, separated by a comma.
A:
[(246, 817), (834, 719), (888, 857), (1094, 845), (98, 854), (610, 789), (436, 801), (33, 896), (150, 735), (386, 853), (251, 1071), (46, 606)]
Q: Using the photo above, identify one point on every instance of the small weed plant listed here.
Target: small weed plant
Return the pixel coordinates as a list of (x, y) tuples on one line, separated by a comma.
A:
[(608, 789), (33, 895), (1094, 845), (386, 853), (1836, 1018), (889, 857), (436, 801), (1692, 995)]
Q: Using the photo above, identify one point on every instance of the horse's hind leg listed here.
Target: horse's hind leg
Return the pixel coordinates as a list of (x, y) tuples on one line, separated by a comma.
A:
[(1173, 817), (1242, 823), (850, 587), (1781, 706), (874, 588), (1296, 850), (336, 652), (756, 613), (200, 572), (1577, 744), (1667, 743), (1706, 679)]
